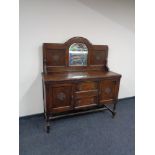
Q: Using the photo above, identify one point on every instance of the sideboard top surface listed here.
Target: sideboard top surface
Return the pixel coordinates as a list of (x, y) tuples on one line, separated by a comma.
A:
[(78, 75)]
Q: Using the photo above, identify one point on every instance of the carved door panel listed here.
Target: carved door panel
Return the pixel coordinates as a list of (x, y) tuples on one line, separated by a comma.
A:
[(61, 97), (108, 90)]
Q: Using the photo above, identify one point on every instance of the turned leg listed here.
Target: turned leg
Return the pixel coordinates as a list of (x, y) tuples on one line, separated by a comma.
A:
[(113, 114), (47, 125), (44, 114), (114, 108)]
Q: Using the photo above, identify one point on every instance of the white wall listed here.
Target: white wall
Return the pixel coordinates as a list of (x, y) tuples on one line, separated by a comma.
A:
[(108, 22)]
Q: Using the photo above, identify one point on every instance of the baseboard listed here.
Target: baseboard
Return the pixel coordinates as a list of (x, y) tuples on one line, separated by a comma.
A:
[(42, 114), (30, 116), (126, 98)]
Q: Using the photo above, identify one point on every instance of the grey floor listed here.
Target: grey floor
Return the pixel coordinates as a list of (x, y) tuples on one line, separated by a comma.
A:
[(91, 134)]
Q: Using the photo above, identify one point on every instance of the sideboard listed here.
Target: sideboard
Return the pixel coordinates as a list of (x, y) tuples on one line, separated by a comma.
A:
[(76, 79)]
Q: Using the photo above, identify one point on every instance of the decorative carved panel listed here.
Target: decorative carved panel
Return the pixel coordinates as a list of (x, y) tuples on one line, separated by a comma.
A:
[(98, 57), (56, 57), (61, 96), (108, 90)]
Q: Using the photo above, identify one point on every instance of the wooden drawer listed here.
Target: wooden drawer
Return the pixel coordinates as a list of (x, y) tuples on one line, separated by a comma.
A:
[(85, 98), (86, 94), (86, 102), (88, 85)]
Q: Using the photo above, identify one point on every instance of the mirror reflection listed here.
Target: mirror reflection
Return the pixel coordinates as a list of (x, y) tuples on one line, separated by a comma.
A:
[(78, 53)]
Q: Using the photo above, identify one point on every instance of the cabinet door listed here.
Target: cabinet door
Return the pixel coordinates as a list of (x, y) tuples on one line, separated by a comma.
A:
[(108, 90), (61, 97)]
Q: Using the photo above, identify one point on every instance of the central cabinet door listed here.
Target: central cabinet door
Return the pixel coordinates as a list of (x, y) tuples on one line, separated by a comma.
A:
[(86, 94), (61, 97)]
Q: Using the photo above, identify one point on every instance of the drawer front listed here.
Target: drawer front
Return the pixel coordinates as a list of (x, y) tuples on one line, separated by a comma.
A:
[(61, 97), (108, 90), (85, 98), (86, 102), (86, 94), (88, 85)]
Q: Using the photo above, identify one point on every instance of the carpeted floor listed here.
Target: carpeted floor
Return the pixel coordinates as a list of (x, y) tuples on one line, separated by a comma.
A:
[(91, 134)]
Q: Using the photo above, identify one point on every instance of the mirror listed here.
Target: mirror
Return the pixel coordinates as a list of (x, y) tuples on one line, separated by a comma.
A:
[(78, 53)]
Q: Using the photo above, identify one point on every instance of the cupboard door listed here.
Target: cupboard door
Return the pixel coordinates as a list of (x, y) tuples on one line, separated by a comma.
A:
[(108, 90), (61, 97)]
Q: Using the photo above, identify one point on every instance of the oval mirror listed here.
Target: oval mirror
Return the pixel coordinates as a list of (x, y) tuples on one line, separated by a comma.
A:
[(78, 53)]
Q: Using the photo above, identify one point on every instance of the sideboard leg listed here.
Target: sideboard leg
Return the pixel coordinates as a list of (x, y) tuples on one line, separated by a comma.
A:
[(44, 115), (113, 114), (114, 108), (48, 126)]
